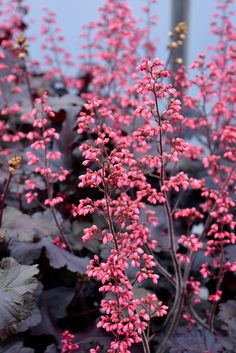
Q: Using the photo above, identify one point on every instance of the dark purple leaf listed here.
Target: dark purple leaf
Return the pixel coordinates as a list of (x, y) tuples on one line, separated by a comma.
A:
[(51, 349), (13, 346), (195, 341), (48, 325), (58, 257), (31, 321), (227, 314), (58, 299), (17, 285), (24, 227)]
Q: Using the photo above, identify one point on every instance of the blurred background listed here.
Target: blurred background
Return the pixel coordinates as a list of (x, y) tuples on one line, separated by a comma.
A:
[(72, 14)]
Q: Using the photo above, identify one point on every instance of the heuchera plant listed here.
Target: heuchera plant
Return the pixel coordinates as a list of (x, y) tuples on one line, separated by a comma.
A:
[(117, 188)]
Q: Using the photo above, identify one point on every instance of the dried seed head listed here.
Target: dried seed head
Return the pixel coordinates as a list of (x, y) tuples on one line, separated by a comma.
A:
[(21, 56), (179, 61), (21, 39), (14, 164)]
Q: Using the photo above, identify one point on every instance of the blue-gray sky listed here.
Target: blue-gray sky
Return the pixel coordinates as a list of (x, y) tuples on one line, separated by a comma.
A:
[(71, 14)]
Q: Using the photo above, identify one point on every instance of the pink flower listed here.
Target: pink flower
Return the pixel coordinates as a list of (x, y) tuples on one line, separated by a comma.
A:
[(54, 201), (67, 345), (215, 297), (190, 242)]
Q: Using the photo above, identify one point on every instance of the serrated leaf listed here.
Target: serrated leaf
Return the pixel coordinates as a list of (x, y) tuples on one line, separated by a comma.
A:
[(17, 284), (31, 321), (195, 341), (230, 253), (51, 349), (57, 300), (48, 325), (24, 227), (58, 257), (227, 314), (14, 346), (227, 311)]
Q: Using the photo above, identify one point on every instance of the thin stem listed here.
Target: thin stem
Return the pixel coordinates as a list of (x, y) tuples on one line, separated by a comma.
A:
[(214, 305), (52, 207), (218, 285), (198, 319), (173, 324), (162, 269), (145, 343), (109, 218), (3, 197), (177, 306)]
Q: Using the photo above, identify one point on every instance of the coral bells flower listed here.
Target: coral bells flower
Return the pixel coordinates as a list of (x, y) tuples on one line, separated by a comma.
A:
[(31, 196), (54, 201), (205, 271), (57, 241), (183, 258), (95, 350), (190, 242), (215, 297), (67, 345), (189, 213), (154, 306)]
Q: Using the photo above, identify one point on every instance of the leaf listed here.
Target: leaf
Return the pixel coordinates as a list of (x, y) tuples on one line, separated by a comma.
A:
[(58, 257), (25, 252), (51, 349), (230, 253), (14, 346), (57, 300), (24, 227), (31, 321), (195, 341), (94, 335), (227, 314), (17, 284), (48, 325), (227, 311)]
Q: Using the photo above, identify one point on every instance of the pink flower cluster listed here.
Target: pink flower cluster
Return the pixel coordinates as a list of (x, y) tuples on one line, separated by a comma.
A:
[(43, 137), (149, 178)]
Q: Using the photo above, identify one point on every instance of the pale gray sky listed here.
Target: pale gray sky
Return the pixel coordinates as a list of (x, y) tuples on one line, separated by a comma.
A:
[(71, 14)]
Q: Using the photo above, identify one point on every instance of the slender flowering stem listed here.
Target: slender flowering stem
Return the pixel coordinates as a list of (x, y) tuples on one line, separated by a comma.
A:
[(178, 302), (3, 196), (218, 285)]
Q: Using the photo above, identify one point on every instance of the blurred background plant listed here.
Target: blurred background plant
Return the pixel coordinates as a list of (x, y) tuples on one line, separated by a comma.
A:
[(117, 185)]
